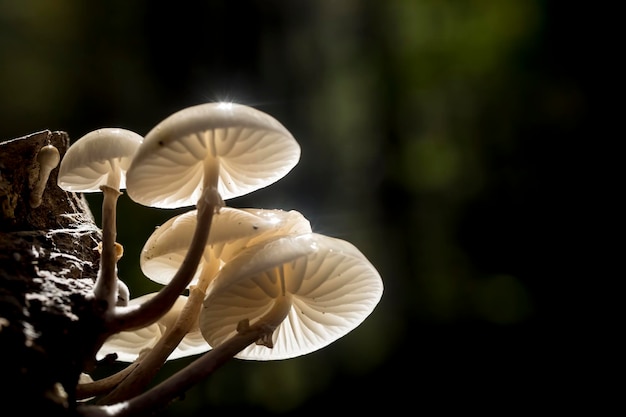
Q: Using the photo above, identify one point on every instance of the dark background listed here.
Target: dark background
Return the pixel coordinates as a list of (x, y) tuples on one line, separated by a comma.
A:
[(437, 136)]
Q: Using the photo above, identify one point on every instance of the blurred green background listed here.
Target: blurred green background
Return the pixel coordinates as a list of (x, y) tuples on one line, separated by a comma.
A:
[(429, 133)]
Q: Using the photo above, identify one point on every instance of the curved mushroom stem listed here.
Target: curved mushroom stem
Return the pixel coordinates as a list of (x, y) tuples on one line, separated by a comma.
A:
[(154, 360), (148, 367), (271, 319), (278, 313), (129, 318), (104, 385), (106, 283), (162, 394)]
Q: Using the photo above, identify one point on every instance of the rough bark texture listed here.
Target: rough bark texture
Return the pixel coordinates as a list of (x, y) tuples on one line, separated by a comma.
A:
[(48, 324)]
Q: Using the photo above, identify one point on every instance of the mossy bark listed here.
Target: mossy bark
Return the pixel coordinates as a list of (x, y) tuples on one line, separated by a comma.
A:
[(48, 322)]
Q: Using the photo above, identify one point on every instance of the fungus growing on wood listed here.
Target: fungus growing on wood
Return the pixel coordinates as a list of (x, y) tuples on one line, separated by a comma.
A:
[(96, 162), (48, 158), (315, 288)]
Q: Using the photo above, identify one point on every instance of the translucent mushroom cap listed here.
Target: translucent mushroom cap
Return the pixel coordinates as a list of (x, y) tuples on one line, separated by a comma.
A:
[(332, 286), (232, 230), (252, 148), (129, 344), (101, 157)]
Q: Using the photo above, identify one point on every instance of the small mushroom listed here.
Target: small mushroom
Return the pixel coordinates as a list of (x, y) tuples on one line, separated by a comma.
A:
[(99, 158), (96, 162), (48, 158), (129, 344), (315, 288)]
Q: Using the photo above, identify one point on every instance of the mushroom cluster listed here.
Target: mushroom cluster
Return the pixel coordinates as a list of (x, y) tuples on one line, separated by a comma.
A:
[(250, 283)]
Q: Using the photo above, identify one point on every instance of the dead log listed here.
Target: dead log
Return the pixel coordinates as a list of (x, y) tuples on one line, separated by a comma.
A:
[(48, 325)]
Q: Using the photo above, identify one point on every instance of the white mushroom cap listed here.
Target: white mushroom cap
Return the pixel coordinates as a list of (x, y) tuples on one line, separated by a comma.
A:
[(101, 157), (251, 149), (332, 286), (232, 229), (128, 344)]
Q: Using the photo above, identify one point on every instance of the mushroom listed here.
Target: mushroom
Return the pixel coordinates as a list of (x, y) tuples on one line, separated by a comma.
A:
[(201, 155), (232, 230), (99, 158), (48, 158), (315, 288), (98, 161), (129, 344), (231, 147)]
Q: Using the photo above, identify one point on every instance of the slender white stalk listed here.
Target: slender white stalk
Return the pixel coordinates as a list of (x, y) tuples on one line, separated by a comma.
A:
[(148, 366), (134, 317), (106, 284)]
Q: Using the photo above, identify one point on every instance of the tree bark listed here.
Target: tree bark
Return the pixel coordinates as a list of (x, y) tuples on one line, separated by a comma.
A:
[(48, 322)]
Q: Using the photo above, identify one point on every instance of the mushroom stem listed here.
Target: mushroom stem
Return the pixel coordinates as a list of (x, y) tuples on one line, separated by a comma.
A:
[(278, 312), (106, 283), (149, 365), (272, 319), (129, 318), (162, 394), (48, 158), (154, 360), (104, 385), (114, 178)]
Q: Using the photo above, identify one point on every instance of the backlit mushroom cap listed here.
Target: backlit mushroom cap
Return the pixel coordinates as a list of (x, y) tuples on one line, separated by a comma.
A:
[(101, 157), (232, 229), (251, 148), (128, 344), (331, 284)]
